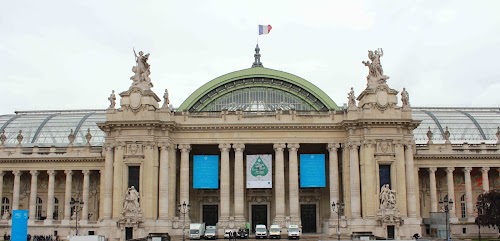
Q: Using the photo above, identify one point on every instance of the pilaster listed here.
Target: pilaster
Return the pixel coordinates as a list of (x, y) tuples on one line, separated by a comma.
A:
[(432, 184), (293, 182), (279, 180)]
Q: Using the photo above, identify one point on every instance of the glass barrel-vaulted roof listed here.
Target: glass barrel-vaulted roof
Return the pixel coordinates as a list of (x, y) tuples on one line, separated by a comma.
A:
[(47, 128)]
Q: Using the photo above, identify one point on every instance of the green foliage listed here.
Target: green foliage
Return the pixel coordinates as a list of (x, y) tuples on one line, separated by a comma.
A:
[(489, 203)]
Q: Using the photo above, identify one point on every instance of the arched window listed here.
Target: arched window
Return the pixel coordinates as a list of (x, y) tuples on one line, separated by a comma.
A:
[(39, 208), (5, 205), (462, 206), (56, 209)]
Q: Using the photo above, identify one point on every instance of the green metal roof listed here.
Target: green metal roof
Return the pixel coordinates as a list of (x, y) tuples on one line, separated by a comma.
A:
[(258, 72)]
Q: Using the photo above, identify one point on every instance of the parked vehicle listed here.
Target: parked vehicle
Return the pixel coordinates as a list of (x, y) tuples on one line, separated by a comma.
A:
[(196, 230), (293, 231), (260, 231), (275, 231), (211, 232), (243, 233)]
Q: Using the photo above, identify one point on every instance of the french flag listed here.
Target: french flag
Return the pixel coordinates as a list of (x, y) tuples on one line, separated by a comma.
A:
[(264, 29)]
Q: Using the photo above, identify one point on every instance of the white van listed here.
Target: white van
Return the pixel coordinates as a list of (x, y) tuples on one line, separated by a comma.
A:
[(196, 230), (293, 231), (275, 231), (260, 231)]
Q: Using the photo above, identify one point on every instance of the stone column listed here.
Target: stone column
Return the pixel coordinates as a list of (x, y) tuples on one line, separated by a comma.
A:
[(279, 183), (410, 181), (50, 197), (333, 163), (33, 194), (225, 187), (1, 186), (164, 182), (432, 183), (468, 193), (239, 184), (354, 180), (486, 182), (293, 182), (17, 186), (370, 189), (400, 184), (86, 189), (172, 187), (108, 183), (67, 195), (451, 190), (184, 175), (119, 183)]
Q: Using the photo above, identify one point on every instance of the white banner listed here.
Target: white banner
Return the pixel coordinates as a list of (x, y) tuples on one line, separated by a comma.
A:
[(259, 171)]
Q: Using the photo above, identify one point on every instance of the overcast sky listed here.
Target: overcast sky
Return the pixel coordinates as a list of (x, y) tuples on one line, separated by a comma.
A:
[(71, 54)]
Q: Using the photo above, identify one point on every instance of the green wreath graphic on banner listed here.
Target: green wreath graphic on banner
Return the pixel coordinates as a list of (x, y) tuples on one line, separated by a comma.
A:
[(259, 168)]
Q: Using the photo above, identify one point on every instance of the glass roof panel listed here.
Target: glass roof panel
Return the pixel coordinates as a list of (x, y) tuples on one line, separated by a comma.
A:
[(57, 129), (91, 123), (420, 133), (28, 124), (459, 125), (489, 121)]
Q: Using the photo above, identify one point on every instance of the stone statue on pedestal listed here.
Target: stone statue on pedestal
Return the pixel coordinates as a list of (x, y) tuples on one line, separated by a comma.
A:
[(375, 72), (141, 72), (131, 201), (351, 97), (405, 97), (112, 100), (166, 101), (387, 197)]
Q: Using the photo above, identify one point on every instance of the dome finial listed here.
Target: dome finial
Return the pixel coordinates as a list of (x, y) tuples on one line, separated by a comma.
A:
[(257, 62)]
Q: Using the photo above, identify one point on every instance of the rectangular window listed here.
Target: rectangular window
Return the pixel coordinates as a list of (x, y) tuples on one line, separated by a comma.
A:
[(385, 175), (134, 176), (464, 230)]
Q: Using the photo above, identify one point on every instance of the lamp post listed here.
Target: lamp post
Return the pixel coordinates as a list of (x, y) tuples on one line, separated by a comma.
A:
[(480, 208), (338, 207), (76, 204), (183, 209), (446, 203)]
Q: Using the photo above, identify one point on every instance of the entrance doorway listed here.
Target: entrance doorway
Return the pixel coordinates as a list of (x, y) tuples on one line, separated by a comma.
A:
[(129, 233), (390, 232), (210, 215), (259, 215), (308, 218)]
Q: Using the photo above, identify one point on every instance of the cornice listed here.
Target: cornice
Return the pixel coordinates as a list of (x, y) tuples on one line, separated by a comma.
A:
[(454, 156), (259, 127), (31, 160)]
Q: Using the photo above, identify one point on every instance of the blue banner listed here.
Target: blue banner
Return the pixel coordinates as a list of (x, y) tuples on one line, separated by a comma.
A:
[(19, 225), (312, 170), (206, 172)]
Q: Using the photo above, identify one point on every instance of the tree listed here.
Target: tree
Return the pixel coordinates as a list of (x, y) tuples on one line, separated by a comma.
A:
[(488, 205)]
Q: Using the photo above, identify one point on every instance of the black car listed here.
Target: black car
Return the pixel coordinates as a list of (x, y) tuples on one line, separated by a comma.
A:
[(242, 233)]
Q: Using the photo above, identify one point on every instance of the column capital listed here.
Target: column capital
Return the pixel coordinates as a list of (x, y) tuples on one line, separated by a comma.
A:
[(332, 146), (51, 172), (369, 143), (238, 146), (409, 144), (164, 146), (68, 172), (34, 172), (279, 146), (432, 170), (293, 146), (224, 147), (185, 147), (353, 144), (109, 147), (119, 145), (450, 169), (485, 169), (150, 145), (86, 172), (398, 143), (467, 169), (17, 173)]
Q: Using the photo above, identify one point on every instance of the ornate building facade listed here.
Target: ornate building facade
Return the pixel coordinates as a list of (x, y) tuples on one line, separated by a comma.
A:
[(122, 172)]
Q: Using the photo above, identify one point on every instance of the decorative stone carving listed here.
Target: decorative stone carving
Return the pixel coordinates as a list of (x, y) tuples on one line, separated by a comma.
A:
[(385, 147), (141, 72), (405, 98), (112, 100), (387, 197), (3, 138), (88, 136), (5, 215), (429, 134), (260, 199), (134, 149), (131, 201), (20, 137), (447, 134), (309, 199), (71, 137), (388, 213), (351, 98), (375, 72)]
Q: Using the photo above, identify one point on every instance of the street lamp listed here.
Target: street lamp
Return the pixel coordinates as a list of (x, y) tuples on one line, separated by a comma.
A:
[(183, 209), (77, 205), (446, 203), (480, 209), (338, 207)]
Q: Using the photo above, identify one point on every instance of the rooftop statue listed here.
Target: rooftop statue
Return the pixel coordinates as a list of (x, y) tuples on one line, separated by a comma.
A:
[(405, 97), (141, 69), (375, 71), (351, 97)]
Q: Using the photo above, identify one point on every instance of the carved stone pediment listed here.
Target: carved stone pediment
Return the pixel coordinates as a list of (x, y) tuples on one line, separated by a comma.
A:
[(389, 216)]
